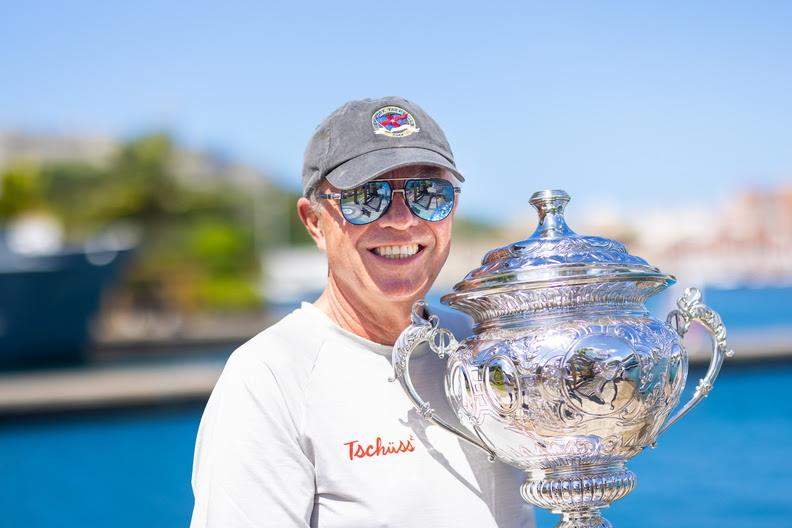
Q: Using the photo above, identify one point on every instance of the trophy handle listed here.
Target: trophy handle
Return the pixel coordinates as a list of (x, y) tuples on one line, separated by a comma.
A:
[(441, 342), (690, 308)]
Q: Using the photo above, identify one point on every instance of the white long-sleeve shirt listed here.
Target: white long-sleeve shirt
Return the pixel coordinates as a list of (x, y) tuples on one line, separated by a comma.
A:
[(303, 429)]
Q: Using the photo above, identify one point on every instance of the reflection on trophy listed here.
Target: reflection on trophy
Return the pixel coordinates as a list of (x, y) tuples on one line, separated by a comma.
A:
[(567, 375)]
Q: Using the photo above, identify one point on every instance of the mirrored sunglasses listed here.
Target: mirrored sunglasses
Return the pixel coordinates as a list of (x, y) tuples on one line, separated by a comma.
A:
[(430, 199)]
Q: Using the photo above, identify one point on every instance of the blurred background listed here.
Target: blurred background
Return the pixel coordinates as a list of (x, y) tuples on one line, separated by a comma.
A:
[(150, 159)]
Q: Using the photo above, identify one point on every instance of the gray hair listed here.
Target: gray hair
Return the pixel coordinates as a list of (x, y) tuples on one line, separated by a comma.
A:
[(313, 197)]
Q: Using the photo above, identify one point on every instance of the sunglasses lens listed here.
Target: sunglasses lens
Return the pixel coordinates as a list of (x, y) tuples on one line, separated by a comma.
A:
[(366, 203), (431, 199)]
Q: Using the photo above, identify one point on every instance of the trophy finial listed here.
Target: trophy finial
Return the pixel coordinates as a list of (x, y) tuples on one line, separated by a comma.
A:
[(550, 206)]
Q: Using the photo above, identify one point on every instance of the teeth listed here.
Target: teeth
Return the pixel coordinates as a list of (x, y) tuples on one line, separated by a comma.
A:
[(397, 252)]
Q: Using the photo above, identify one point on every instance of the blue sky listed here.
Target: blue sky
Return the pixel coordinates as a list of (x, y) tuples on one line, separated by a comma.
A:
[(633, 103)]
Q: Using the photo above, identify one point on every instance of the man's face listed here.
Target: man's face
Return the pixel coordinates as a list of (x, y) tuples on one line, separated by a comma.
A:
[(358, 255)]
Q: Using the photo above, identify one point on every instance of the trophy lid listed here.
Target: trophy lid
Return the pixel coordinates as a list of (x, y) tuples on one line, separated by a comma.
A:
[(554, 255)]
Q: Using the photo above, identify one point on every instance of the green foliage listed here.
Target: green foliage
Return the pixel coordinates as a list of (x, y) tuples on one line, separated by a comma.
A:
[(197, 247), (20, 191), (227, 293), (219, 246)]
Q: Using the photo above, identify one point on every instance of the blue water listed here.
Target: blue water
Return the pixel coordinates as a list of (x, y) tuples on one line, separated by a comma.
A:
[(740, 308), (123, 469), (727, 465), (749, 308)]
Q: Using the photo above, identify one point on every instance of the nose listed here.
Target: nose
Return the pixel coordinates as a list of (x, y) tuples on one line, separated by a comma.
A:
[(399, 215)]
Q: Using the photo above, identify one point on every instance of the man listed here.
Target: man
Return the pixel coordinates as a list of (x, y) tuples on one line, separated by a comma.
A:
[(303, 428)]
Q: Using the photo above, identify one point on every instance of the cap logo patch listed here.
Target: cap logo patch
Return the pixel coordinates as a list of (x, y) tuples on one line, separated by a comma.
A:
[(393, 121)]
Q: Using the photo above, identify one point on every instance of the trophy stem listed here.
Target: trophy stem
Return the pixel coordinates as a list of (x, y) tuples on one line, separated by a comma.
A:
[(587, 518), (578, 492)]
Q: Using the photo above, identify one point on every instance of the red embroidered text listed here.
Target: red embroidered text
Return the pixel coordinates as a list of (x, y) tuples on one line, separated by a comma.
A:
[(379, 448)]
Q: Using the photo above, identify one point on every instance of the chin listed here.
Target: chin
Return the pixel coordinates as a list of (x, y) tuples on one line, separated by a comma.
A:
[(403, 290)]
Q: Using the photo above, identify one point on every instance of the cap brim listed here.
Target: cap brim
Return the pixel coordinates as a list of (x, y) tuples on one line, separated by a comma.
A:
[(374, 164)]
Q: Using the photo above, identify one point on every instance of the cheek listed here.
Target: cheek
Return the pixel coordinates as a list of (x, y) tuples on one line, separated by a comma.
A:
[(443, 236), (342, 250)]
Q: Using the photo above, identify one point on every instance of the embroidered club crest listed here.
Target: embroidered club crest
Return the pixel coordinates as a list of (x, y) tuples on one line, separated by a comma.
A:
[(393, 121)]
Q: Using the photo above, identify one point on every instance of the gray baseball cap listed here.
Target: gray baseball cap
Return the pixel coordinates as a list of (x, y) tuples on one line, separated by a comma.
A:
[(364, 139)]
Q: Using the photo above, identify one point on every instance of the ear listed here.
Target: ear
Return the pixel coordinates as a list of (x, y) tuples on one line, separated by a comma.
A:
[(311, 220)]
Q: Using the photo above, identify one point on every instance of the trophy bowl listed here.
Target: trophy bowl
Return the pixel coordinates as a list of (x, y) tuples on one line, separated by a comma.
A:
[(567, 375)]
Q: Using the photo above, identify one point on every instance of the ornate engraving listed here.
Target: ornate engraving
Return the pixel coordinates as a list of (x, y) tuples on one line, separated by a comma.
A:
[(568, 376), (580, 494), (575, 249), (499, 307), (690, 308), (600, 374)]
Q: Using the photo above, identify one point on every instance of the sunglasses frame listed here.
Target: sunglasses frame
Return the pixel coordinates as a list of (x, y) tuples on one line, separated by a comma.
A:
[(349, 192)]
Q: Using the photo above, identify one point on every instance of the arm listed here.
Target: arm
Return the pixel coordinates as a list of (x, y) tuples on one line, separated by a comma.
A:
[(249, 469)]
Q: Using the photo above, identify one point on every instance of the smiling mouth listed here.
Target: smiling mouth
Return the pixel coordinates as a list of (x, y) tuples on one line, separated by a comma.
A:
[(397, 252)]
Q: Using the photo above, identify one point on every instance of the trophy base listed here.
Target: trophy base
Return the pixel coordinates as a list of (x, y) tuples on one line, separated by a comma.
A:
[(578, 492)]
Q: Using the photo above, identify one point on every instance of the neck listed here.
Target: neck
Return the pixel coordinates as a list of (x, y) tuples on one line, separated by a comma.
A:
[(381, 323)]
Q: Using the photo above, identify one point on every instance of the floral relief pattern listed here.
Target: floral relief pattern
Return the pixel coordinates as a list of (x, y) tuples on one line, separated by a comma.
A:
[(591, 388)]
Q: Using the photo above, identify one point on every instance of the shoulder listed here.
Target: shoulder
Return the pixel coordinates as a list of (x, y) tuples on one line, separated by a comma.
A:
[(289, 345), (280, 358)]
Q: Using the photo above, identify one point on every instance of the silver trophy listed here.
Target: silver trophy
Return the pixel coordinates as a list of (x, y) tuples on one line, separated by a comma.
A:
[(567, 375)]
